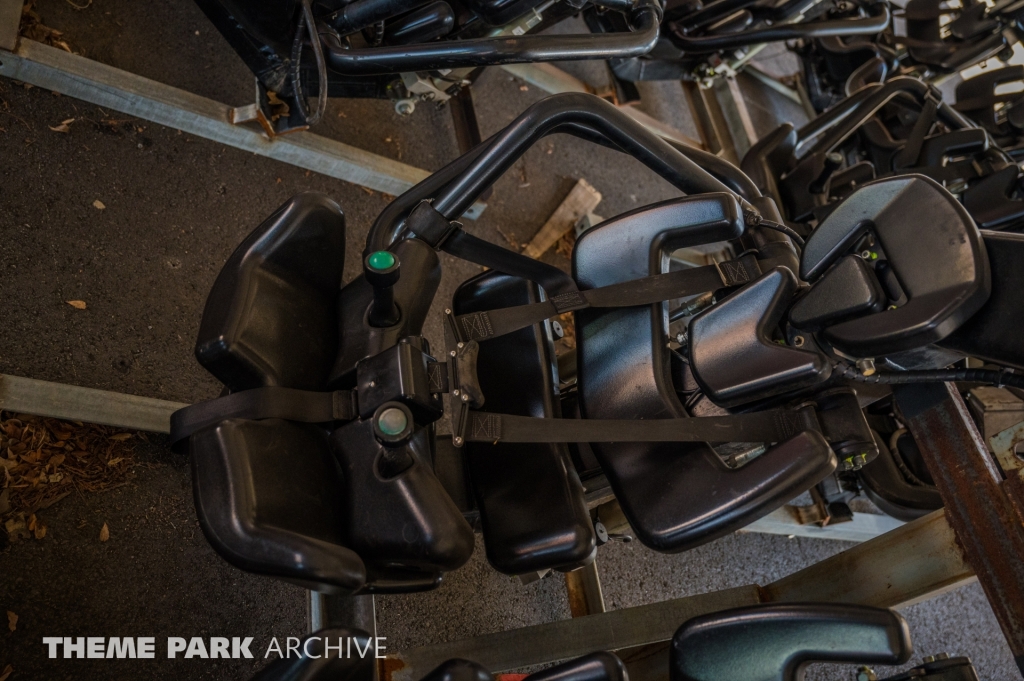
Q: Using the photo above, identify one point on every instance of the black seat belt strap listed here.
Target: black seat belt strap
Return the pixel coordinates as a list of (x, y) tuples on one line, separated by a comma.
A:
[(434, 228), (645, 291), (774, 425), (306, 406)]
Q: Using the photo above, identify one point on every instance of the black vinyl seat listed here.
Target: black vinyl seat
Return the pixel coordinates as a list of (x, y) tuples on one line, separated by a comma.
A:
[(292, 500), (530, 497), (675, 495)]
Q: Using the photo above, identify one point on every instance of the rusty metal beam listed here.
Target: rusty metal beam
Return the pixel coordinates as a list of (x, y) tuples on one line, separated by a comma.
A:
[(982, 508), (583, 587)]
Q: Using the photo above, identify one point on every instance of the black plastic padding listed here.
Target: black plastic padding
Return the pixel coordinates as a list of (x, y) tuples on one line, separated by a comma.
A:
[(934, 248), (331, 662), (776, 642), (600, 666), (459, 670), (848, 289), (406, 521), (531, 502), (269, 499), (993, 333), (891, 490), (675, 495), (270, 319), (733, 350)]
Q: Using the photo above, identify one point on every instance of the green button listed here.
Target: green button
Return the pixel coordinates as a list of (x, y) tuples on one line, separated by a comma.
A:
[(381, 260), (392, 421)]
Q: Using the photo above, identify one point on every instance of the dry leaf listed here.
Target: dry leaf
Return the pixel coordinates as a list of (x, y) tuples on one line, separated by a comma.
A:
[(114, 462), (98, 205), (8, 670), (77, 304), (119, 437), (104, 532), (12, 621), (60, 128), (40, 531)]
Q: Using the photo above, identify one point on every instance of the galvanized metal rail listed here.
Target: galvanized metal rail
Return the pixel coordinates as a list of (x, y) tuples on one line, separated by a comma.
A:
[(54, 69)]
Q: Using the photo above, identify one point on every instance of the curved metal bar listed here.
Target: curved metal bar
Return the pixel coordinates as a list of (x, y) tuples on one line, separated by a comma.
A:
[(581, 109), (389, 225), (876, 23), (867, 107), (450, 54)]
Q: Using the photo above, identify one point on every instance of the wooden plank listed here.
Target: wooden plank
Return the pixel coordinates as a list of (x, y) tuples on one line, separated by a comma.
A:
[(582, 199), (10, 22)]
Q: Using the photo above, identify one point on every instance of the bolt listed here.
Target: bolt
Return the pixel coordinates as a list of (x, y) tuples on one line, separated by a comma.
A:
[(866, 674), (405, 107), (929, 658), (465, 397), (557, 329), (865, 254), (942, 656), (447, 311), (455, 392), (461, 345), (452, 353), (457, 441), (798, 341), (866, 366)]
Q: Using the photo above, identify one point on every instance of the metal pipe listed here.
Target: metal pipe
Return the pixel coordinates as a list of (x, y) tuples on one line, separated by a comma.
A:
[(361, 14), (571, 109), (577, 114), (875, 23), (451, 54)]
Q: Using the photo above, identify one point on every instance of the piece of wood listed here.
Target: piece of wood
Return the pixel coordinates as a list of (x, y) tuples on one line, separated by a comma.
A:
[(581, 200), (10, 21)]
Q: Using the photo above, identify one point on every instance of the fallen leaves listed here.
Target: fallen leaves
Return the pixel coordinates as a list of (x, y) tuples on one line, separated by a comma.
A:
[(64, 126), (43, 460), (104, 532), (8, 670), (77, 304), (98, 205), (33, 28), (12, 621)]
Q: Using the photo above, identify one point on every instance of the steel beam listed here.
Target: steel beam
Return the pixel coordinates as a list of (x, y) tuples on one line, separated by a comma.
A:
[(583, 587), (566, 639), (53, 69), (915, 562), (912, 563), (863, 527), (983, 509), (72, 403)]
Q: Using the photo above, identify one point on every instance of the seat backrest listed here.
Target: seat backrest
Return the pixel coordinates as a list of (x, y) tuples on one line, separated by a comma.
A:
[(776, 642), (532, 509), (675, 495), (269, 319)]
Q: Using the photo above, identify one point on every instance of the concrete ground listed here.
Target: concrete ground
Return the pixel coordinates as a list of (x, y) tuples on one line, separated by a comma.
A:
[(176, 206)]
